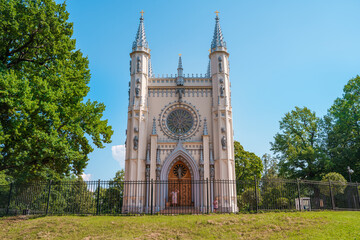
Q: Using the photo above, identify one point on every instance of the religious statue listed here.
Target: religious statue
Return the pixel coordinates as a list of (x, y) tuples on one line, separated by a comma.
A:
[(222, 89), (223, 142), (180, 91), (137, 91), (147, 173), (212, 172), (179, 172), (138, 64), (136, 142), (220, 64)]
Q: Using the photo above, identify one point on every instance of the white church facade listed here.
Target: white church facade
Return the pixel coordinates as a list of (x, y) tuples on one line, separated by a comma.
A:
[(179, 133)]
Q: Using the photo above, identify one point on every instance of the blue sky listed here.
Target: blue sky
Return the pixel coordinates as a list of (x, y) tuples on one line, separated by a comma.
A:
[(282, 54)]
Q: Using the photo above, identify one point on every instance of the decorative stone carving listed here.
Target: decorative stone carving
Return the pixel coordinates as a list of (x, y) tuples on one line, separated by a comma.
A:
[(147, 173), (180, 92), (136, 142), (223, 142), (138, 64), (212, 172), (137, 91), (221, 80), (154, 127), (222, 89), (136, 129), (205, 128), (137, 80), (220, 64)]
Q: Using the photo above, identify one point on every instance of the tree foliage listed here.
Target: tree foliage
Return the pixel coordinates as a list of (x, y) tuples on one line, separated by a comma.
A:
[(247, 164), (45, 122), (339, 185), (299, 145), (343, 130)]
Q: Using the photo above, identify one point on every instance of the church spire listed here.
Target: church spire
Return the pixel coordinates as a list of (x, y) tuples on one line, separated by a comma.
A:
[(208, 73), (140, 39), (180, 79), (218, 39), (150, 71), (180, 68)]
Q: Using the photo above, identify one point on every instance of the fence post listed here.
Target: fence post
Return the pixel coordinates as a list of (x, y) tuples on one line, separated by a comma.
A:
[(48, 198), (9, 200), (331, 196), (207, 194), (298, 188), (151, 194), (98, 199), (256, 195), (358, 197)]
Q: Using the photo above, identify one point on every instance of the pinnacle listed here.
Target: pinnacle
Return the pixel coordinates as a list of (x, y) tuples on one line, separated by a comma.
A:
[(218, 39), (140, 39)]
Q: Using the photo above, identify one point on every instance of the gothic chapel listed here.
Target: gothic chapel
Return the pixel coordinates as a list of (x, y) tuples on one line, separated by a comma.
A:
[(179, 130)]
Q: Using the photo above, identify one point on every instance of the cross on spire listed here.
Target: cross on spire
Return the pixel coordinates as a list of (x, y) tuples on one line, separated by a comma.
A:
[(142, 13), (217, 13)]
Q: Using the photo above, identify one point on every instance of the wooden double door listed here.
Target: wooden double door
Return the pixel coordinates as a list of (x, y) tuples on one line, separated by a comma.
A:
[(180, 182)]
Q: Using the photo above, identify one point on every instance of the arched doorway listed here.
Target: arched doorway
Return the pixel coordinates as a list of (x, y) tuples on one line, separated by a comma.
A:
[(180, 181)]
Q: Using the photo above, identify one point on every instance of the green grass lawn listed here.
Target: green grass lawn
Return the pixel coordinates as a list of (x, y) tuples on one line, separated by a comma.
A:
[(292, 225)]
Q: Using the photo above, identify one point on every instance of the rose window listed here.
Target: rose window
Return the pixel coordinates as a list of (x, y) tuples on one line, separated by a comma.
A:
[(180, 121)]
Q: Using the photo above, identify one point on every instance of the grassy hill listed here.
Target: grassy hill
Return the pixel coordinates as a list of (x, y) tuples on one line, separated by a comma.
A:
[(294, 225)]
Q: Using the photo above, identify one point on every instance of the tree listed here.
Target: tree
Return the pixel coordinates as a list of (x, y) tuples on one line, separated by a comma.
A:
[(339, 185), (343, 130), (247, 164), (45, 125), (299, 145), (270, 166)]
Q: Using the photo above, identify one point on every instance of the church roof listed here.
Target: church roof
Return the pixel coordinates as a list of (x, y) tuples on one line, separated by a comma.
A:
[(218, 39), (140, 39)]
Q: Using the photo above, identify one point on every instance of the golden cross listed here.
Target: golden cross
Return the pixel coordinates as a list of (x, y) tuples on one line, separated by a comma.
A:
[(179, 54), (142, 13), (217, 13)]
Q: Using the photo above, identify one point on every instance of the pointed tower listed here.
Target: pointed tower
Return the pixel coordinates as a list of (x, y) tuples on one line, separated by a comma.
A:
[(180, 78), (222, 110), (136, 143)]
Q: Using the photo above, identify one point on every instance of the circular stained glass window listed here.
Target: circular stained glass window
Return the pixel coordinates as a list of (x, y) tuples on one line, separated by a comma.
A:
[(179, 121)]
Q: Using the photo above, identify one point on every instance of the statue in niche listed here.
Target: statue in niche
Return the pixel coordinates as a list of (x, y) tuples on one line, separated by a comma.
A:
[(136, 142), (138, 64), (220, 64), (223, 142), (212, 172), (147, 172), (180, 92), (137, 91), (222, 90)]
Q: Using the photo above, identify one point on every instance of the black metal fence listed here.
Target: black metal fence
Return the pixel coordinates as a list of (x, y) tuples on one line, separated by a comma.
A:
[(176, 197)]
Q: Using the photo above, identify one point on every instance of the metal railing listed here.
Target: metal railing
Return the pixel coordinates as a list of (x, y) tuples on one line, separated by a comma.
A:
[(176, 197)]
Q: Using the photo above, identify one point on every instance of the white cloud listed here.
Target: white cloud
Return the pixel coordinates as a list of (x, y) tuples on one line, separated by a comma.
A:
[(118, 153), (86, 177)]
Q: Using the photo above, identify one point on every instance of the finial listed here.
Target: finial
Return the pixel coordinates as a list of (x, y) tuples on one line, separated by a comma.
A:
[(205, 128), (217, 13), (158, 161), (154, 127), (142, 13), (179, 54)]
